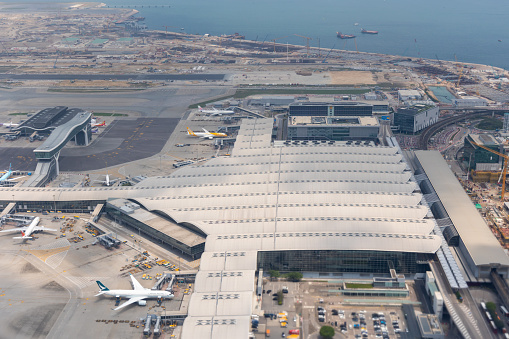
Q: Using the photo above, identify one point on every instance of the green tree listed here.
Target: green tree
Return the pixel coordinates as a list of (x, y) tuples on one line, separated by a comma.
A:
[(327, 331), (280, 297), (294, 276), (274, 274)]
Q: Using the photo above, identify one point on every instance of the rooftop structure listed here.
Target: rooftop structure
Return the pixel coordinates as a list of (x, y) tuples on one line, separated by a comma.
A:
[(340, 108), (409, 94), (477, 244), (190, 242), (274, 206)]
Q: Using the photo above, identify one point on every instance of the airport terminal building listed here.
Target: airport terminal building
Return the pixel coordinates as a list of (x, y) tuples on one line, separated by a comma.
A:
[(336, 209)]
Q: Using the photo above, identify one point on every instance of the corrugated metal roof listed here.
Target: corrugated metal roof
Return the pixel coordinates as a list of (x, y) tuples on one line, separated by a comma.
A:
[(475, 234)]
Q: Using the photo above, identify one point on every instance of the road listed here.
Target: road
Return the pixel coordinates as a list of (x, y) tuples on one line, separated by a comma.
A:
[(467, 313)]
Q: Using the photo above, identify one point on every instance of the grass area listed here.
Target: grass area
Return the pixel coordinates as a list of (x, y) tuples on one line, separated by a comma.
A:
[(204, 103), (490, 124), (19, 113), (95, 90), (243, 93), (104, 114), (358, 285)]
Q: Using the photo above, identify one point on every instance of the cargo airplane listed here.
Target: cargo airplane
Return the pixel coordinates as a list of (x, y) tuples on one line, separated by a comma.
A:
[(205, 134), (137, 295), (26, 231), (215, 111)]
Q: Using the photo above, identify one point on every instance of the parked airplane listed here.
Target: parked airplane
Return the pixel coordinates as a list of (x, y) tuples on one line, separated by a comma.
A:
[(26, 231), (137, 294), (6, 175), (95, 124), (107, 181), (215, 111), (205, 134), (10, 124)]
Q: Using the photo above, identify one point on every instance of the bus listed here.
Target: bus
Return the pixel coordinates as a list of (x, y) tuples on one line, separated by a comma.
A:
[(483, 306), (493, 327), (504, 310)]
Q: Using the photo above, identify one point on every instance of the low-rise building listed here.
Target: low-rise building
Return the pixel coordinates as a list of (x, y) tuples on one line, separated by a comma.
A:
[(469, 101), (332, 128)]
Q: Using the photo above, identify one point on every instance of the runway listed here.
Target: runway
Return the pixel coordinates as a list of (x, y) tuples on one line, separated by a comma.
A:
[(137, 77)]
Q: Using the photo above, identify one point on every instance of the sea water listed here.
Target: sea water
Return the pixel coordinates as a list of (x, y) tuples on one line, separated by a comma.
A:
[(466, 30)]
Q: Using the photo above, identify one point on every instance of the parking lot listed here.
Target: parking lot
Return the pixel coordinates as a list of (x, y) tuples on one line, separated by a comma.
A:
[(307, 306)]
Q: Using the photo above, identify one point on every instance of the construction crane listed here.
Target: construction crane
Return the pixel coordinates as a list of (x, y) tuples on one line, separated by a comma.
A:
[(460, 71), (274, 41), (504, 170), (325, 60), (307, 43)]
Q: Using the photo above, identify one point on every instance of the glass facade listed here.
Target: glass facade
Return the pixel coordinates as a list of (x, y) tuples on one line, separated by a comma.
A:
[(342, 261), (405, 122), (474, 154), (78, 206)]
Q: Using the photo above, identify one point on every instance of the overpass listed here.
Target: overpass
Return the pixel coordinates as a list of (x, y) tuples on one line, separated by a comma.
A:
[(77, 128)]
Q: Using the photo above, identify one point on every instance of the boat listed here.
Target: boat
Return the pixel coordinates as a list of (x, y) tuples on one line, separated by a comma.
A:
[(345, 36), (356, 24), (368, 32)]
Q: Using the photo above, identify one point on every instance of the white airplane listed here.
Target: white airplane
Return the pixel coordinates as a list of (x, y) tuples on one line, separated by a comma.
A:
[(26, 231), (215, 111), (138, 294), (107, 181), (5, 177), (205, 134), (94, 123), (10, 124)]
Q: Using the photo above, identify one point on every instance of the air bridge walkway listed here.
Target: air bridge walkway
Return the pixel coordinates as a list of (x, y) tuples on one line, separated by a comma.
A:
[(257, 115), (77, 128)]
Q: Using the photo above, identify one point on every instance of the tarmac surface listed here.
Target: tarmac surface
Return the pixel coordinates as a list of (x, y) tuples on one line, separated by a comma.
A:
[(121, 142), (165, 102), (159, 77), (141, 138)]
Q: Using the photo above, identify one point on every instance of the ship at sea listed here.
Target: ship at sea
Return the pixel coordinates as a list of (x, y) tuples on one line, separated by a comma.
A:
[(368, 32), (345, 36)]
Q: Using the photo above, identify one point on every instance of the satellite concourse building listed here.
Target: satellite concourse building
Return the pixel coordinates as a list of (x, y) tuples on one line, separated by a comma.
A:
[(335, 209)]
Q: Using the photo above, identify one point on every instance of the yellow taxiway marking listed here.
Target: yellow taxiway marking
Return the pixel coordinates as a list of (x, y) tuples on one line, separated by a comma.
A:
[(45, 254)]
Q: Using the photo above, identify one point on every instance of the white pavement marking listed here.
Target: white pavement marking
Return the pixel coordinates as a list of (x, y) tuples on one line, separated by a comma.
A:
[(55, 260)]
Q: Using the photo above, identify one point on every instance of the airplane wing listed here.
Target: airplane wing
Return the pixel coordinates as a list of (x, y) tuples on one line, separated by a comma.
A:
[(136, 285), (129, 302), (42, 228), (15, 229), (204, 130)]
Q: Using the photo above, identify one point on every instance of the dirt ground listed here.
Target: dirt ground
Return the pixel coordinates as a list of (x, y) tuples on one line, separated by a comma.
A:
[(352, 78)]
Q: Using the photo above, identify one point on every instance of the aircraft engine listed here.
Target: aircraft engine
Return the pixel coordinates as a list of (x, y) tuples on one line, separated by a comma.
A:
[(142, 302)]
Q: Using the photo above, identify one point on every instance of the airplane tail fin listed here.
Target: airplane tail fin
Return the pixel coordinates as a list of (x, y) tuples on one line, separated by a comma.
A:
[(101, 286), (189, 132), (200, 108), (23, 236)]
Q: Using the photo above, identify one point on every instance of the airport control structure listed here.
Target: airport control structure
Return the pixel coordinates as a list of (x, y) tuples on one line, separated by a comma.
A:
[(365, 208)]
